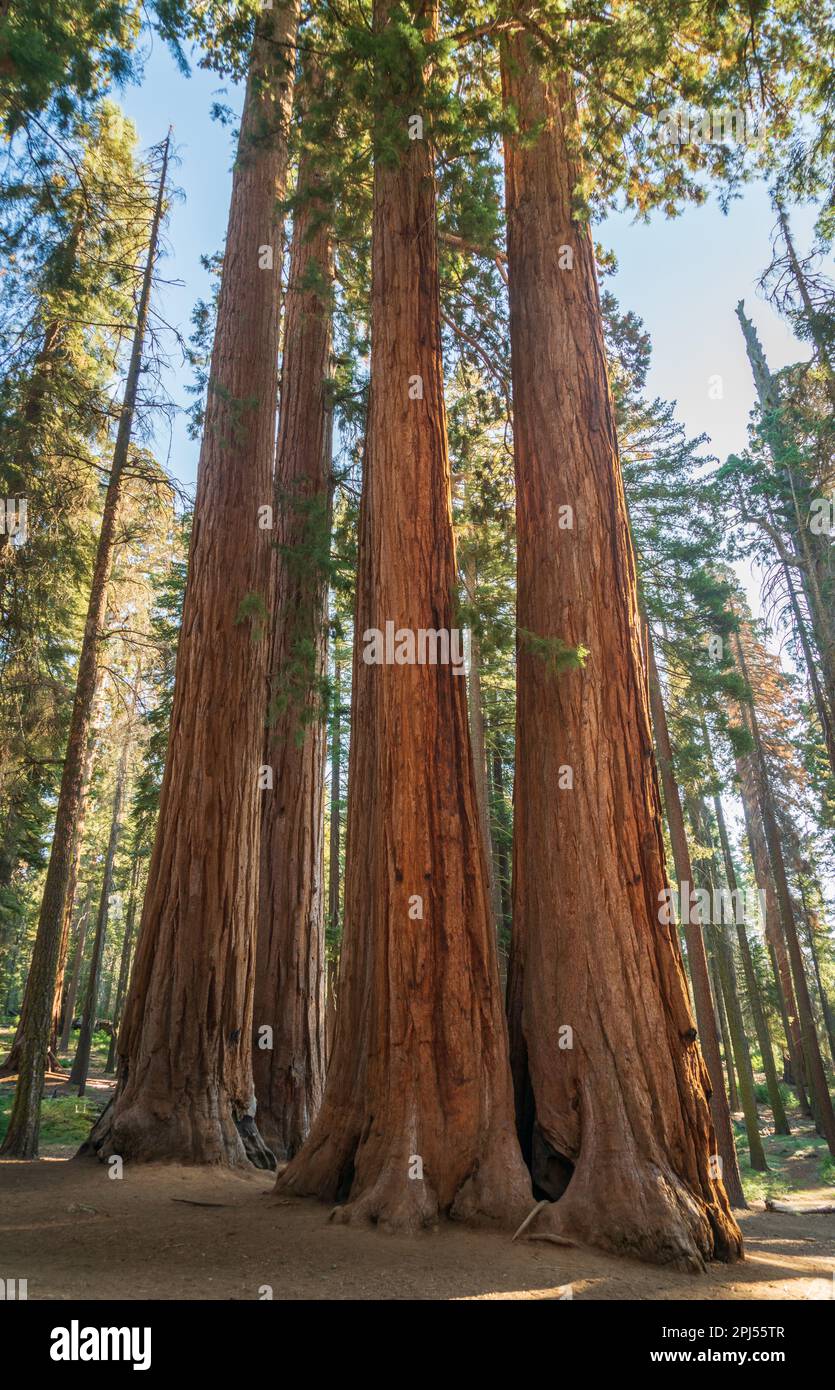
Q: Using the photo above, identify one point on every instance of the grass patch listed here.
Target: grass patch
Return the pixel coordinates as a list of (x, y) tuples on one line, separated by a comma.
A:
[(64, 1119), (783, 1153)]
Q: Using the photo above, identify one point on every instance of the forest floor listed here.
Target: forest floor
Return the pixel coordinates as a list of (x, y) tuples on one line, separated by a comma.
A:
[(184, 1233)]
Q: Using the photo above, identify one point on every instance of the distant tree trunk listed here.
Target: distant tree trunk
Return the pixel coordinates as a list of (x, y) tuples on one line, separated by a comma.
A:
[(694, 934), (822, 1103), (752, 989), (290, 960), (22, 1136), (72, 988), (72, 884), (824, 713), (810, 919), (124, 962), (334, 925), (773, 926), (741, 1050), (729, 995), (813, 319), (719, 996), (12, 1062), (81, 1064), (813, 557), (501, 855), (479, 746), (588, 872), (184, 1089), (335, 798), (417, 1118)]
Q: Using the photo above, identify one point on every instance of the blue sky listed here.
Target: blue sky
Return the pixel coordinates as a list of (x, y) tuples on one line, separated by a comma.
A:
[(682, 276)]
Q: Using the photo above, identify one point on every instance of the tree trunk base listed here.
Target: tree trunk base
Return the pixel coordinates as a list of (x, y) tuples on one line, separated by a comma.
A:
[(379, 1189), (641, 1212), (21, 1139), (214, 1134), (260, 1155), (11, 1066)]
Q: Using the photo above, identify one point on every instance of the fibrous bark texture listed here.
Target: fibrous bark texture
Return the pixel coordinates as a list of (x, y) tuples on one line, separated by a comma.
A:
[(290, 971), (622, 1123), (184, 1086), (417, 1118)]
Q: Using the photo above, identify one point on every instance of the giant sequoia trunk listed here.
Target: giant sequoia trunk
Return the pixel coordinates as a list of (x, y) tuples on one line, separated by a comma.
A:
[(288, 1061), (184, 1089), (620, 1090), (417, 1117), (22, 1136)]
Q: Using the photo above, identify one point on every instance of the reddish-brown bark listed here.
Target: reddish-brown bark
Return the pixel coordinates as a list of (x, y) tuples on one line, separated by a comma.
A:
[(290, 959), (184, 1090), (417, 1117), (622, 1121)]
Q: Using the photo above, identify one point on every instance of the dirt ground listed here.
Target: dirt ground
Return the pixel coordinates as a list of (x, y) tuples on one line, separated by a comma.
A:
[(73, 1232)]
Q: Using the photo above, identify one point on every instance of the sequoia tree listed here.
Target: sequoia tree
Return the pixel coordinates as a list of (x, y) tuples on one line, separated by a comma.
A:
[(417, 1116), (184, 1074), (289, 1060), (621, 1122)]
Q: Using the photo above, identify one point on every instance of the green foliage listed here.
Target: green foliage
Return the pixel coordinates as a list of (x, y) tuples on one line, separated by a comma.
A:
[(253, 609), (62, 51), (557, 655), (73, 222)]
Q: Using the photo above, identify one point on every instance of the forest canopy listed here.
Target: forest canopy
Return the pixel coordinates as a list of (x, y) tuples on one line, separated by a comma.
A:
[(432, 806)]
